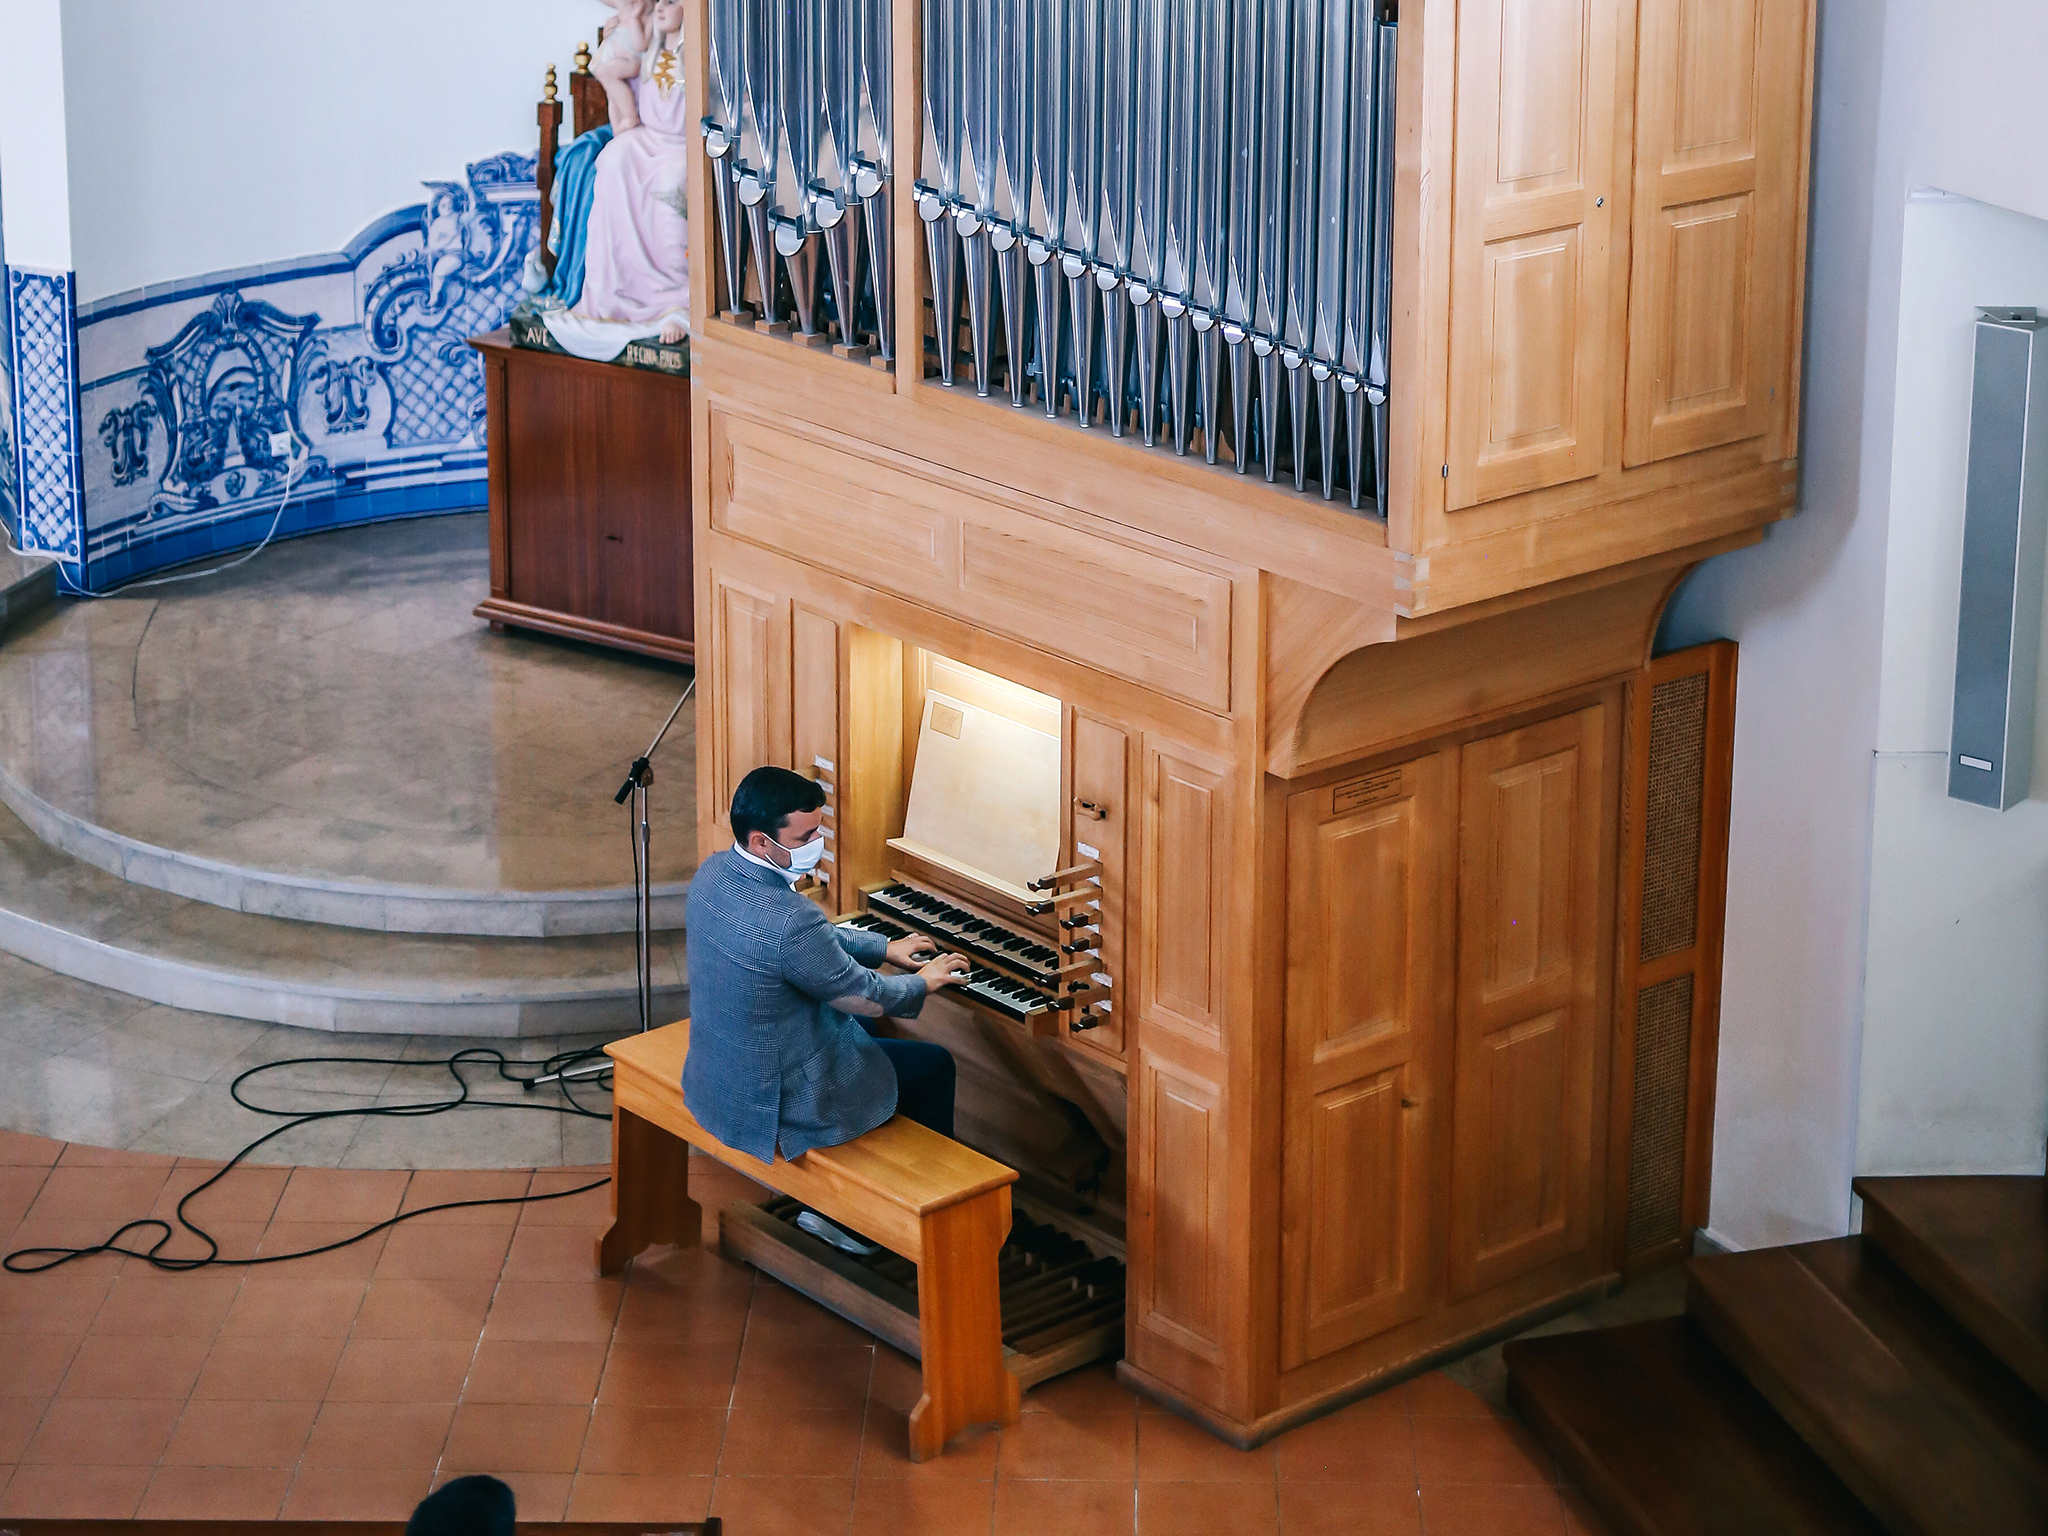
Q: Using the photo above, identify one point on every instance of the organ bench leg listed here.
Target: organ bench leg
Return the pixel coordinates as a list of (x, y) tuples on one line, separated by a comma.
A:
[(960, 1324), (650, 1192)]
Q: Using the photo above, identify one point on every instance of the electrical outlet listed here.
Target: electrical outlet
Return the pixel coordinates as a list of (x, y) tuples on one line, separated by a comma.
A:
[(280, 445)]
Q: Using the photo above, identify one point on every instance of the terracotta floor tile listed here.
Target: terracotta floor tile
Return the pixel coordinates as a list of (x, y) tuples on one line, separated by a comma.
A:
[(1349, 1509), (562, 1310), (444, 1253), (532, 1372), (348, 1195), (1092, 1389), (1436, 1396), (150, 1303), (116, 1367), (885, 1451), (401, 1371), (551, 1253), (590, 1209), (768, 1442), (438, 1187), (273, 1305), (784, 1506), (655, 1375), (1496, 1511), (423, 1309), (78, 1154), (515, 1437), (243, 1194), (63, 1301), (601, 1496), (698, 1270), (1034, 1508), (97, 1432), (113, 1195), (538, 1496), (783, 1317), (1471, 1450), (1214, 1509), (59, 1230), (18, 1190), (335, 1493), (36, 1364), (354, 1262), (1355, 1444), (215, 1493), (802, 1375), (663, 1316), (19, 1417), (898, 1381), (241, 1434), (74, 1493), (1173, 1450), (1085, 1446), (889, 1506), (649, 1441), (280, 1370), (1580, 1517), (391, 1435), (20, 1150)]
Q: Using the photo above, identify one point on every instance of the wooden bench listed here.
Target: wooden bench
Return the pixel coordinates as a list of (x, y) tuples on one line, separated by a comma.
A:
[(944, 1207)]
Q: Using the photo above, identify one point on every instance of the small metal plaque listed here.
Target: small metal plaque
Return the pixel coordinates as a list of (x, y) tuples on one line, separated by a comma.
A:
[(1373, 789)]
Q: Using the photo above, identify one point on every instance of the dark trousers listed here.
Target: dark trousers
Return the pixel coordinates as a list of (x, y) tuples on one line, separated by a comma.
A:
[(924, 1082)]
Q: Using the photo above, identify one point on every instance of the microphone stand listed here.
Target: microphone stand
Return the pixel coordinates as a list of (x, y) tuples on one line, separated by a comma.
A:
[(638, 778)]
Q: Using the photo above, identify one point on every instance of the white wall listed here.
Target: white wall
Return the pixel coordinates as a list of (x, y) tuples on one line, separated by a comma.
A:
[(32, 151), (1910, 95), (1955, 1021), (213, 134)]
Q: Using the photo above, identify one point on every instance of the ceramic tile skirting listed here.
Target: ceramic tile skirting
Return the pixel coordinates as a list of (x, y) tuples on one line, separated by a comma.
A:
[(343, 904)]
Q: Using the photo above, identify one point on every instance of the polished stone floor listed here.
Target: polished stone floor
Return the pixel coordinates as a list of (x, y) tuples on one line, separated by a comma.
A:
[(333, 711), (85, 1064)]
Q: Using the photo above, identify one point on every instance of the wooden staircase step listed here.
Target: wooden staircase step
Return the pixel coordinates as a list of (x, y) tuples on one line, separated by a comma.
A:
[(1979, 1246), (1929, 1432), (1667, 1439)]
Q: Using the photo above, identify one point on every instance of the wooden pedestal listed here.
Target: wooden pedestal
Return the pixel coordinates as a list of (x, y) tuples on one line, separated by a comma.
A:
[(590, 500)]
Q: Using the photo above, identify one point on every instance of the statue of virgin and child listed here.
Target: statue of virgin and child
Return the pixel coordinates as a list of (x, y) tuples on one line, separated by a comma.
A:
[(621, 238)]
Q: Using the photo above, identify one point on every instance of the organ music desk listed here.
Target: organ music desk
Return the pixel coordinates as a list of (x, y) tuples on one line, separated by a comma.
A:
[(1202, 502)]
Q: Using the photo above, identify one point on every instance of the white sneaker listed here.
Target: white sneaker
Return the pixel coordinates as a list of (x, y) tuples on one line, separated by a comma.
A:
[(838, 1237)]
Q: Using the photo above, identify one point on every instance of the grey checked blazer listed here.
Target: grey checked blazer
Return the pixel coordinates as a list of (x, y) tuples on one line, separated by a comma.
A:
[(775, 1056)]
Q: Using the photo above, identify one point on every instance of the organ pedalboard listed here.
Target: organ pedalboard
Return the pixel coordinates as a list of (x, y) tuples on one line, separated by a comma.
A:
[(1017, 976)]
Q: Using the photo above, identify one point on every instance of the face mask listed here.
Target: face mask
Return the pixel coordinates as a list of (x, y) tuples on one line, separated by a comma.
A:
[(804, 859)]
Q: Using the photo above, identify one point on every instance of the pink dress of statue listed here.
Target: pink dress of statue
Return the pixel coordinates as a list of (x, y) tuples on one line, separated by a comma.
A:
[(637, 269)]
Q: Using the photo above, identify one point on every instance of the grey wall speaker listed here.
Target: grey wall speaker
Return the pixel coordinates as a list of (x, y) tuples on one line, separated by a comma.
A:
[(1998, 632)]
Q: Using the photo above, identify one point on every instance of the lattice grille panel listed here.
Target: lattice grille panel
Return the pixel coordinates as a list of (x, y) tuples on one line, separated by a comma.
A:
[(1656, 1169), (1671, 863)]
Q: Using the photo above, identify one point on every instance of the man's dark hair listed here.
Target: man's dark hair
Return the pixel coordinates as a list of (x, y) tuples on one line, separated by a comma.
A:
[(469, 1506), (767, 798)]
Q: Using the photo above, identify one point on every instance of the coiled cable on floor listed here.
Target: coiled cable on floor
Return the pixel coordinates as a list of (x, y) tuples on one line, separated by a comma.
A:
[(29, 1261)]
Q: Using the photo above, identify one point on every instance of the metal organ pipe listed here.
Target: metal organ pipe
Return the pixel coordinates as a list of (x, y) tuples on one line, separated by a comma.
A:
[(1180, 210)]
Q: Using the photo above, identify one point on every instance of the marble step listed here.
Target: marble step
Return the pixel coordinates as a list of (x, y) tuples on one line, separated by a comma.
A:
[(68, 916), (27, 583), (379, 906)]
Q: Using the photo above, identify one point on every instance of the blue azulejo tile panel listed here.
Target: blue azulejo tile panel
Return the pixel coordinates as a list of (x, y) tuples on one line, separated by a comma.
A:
[(43, 365), (340, 388)]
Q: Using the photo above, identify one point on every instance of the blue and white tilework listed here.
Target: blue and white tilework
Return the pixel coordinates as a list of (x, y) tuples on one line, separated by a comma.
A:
[(43, 363), (345, 379)]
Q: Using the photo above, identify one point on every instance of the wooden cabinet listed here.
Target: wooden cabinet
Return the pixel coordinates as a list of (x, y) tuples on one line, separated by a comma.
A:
[(590, 500)]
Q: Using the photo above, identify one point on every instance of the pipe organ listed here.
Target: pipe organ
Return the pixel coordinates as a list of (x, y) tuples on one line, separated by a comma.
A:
[(1301, 824)]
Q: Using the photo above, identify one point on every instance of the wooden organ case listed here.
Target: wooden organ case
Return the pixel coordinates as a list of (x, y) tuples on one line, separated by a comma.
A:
[(1355, 711)]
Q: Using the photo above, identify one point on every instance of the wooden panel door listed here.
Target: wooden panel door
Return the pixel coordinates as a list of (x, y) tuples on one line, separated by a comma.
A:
[(1099, 771), (1186, 852), (750, 687), (1179, 1179), (1720, 126), (1533, 217), (1367, 865), (1533, 839), (814, 730)]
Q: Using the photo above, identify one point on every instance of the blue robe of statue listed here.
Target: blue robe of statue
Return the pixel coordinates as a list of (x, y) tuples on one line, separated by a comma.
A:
[(575, 173)]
